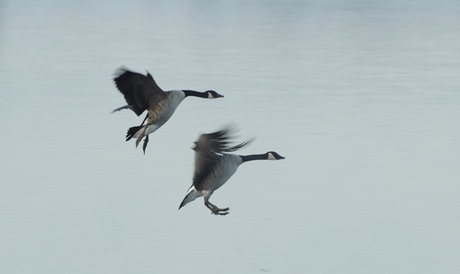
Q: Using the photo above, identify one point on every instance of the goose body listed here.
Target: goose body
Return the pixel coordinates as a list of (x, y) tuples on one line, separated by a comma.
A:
[(157, 116), (214, 166), (142, 93), (225, 167)]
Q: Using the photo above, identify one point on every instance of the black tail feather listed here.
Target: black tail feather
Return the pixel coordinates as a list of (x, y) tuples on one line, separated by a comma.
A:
[(131, 132)]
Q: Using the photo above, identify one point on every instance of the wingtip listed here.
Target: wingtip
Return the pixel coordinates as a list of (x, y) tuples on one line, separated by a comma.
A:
[(119, 71), (121, 108)]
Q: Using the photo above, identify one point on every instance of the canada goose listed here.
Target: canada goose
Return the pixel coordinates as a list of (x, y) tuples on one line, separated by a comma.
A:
[(142, 93), (214, 166)]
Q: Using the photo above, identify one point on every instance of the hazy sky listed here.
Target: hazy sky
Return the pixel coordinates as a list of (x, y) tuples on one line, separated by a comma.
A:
[(362, 98)]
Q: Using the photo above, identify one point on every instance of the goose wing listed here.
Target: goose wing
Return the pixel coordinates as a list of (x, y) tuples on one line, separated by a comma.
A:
[(208, 150), (139, 90)]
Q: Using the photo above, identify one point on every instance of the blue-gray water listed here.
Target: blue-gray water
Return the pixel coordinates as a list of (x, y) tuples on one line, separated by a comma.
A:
[(361, 97)]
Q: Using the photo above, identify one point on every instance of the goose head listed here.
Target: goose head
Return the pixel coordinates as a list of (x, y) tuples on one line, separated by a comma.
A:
[(271, 155), (212, 94)]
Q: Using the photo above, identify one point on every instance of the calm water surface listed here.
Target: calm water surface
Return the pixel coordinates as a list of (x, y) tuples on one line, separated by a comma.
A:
[(361, 97)]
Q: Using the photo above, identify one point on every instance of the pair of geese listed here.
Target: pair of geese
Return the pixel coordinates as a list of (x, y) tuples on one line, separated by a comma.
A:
[(213, 163)]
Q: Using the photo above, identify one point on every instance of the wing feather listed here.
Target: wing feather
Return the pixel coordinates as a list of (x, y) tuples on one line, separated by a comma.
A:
[(139, 90), (209, 148)]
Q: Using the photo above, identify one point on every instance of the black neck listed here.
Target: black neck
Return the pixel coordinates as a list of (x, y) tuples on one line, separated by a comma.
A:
[(195, 93), (253, 157)]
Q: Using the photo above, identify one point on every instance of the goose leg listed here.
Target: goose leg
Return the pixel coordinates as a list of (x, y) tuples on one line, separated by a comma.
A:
[(138, 141), (141, 135), (214, 209), (146, 140)]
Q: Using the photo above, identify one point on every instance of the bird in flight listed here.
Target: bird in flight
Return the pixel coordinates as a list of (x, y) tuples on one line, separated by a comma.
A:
[(142, 93), (214, 166)]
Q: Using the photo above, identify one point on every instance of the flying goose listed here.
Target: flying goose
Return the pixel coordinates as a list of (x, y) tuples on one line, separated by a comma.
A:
[(142, 93), (214, 166)]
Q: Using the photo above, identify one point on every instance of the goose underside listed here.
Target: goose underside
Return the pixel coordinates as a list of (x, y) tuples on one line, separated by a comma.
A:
[(140, 131)]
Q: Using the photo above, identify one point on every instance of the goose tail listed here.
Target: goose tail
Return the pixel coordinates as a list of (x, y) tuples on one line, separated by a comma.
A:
[(133, 132), (192, 194)]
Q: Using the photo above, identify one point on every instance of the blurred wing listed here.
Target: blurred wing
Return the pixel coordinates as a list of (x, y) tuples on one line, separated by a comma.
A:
[(120, 108), (209, 149), (203, 167), (152, 92)]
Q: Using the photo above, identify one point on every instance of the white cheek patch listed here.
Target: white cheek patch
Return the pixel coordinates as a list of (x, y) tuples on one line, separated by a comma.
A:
[(210, 96), (271, 157)]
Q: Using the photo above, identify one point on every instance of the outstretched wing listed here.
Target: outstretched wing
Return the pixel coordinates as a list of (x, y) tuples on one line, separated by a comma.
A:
[(209, 149), (137, 89)]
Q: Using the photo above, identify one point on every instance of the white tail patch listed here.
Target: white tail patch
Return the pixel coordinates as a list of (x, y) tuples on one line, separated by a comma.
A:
[(192, 194)]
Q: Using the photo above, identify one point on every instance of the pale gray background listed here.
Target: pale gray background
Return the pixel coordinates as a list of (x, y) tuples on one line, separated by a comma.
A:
[(361, 97)]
